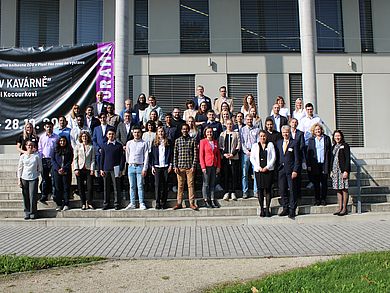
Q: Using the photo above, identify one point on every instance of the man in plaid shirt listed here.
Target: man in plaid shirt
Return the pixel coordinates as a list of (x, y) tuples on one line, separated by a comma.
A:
[(184, 160)]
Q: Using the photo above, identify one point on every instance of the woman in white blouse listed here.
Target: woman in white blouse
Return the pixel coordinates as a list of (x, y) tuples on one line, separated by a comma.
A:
[(29, 169), (299, 111), (263, 158)]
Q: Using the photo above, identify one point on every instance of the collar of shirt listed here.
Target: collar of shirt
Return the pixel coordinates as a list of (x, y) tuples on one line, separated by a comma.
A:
[(111, 142)]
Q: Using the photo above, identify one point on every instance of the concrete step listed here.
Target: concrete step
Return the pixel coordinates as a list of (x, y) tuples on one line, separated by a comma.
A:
[(376, 207), (19, 213), (5, 195), (194, 221), (370, 168)]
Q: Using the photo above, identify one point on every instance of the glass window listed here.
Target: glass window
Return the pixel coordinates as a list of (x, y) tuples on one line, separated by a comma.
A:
[(38, 23), (239, 85), (329, 25), (366, 32), (194, 26), (141, 28), (269, 26), (89, 21)]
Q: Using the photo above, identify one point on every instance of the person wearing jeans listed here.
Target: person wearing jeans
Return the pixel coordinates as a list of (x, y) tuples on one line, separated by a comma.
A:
[(249, 136), (29, 168), (210, 162), (137, 157)]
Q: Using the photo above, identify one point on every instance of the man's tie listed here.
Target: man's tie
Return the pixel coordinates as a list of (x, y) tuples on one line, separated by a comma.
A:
[(285, 143)]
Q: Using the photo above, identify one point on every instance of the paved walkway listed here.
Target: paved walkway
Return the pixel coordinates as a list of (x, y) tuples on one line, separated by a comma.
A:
[(275, 240)]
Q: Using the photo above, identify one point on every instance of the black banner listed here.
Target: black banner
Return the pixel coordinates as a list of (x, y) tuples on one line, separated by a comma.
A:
[(40, 84)]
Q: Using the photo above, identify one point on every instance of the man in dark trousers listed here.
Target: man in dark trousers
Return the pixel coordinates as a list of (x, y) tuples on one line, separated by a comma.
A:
[(111, 162), (289, 168)]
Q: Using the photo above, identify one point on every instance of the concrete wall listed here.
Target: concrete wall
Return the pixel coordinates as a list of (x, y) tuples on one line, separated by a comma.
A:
[(8, 23), (67, 22)]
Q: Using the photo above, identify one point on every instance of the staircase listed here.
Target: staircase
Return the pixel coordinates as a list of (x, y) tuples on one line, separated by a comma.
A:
[(375, 197)]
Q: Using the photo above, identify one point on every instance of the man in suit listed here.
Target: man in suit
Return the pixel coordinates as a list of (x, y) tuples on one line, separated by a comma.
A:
[(289, 169), (201, 98), (90, 121), (298, 136), (111, 160), (100, 106), (222, 99), (318, 160), (216, 126), (99, 138), (278, 119)]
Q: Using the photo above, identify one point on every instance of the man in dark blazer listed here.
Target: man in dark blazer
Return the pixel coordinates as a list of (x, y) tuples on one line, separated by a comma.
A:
[(278, 119), (289, 168), (100, 106), (201, 97), (318, 159), (299, 137), (90, 121)]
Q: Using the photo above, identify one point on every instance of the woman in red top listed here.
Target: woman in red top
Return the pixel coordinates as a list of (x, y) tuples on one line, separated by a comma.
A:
[(210, 162)]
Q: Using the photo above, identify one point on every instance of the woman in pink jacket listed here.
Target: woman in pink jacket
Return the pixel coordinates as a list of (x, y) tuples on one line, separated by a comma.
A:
[(210, 162)]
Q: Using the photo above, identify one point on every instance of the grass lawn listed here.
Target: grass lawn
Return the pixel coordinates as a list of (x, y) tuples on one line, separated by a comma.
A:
[(364, 272), (12, 264)]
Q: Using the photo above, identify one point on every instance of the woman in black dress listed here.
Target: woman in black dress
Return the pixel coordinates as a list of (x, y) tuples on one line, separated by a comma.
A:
[(28, 134), (263, 158)]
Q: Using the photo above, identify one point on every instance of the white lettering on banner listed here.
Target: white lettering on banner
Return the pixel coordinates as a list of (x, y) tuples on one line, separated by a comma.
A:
[(106, 94), (106, 73), (26, 82), (105, 84), (1, 83)]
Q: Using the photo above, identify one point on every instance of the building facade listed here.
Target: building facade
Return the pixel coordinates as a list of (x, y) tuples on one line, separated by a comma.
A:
[(251, 46)]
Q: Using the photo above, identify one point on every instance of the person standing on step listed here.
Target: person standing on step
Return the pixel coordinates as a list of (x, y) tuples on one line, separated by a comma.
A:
[(319, 151), (62, 166), (289, 168), (84, 168), (210, 162), (184, 164), (341, 168), (46, 146), (160, 158), (249, 136), (263, 159), (29, 169), (230, 146), (137, 158), (111, 164)]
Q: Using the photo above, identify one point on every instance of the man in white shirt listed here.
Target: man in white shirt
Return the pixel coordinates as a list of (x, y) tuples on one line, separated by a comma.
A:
[(222, 99), (137, 156), (308, 121)]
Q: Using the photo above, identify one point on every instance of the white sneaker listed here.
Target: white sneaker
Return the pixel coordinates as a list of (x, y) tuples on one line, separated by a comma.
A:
[(65, 208), (130, 206), (226, 196), (234, 197), (58, 208), (255, 195), (142, 206)]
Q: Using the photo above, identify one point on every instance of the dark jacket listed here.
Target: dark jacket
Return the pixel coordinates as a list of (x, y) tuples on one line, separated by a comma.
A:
[(300, 138), (154, 155), (311, 156), (283, 121), (291, 160), (99, 138), (206, 99), (344, 158), (112, 155), (57, 161)]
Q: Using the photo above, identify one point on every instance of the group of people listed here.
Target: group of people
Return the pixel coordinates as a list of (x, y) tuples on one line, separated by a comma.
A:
[(147, 144)]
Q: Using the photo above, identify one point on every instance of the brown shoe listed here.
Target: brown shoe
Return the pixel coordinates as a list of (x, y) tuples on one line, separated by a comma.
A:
[(193, 207), (178, 207)]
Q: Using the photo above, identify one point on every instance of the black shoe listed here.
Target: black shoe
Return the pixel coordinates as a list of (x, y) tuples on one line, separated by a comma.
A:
[(323, 202), (262, 213), (164, 206), (343, 213), (27, 217), (33, 217), (215, 204), (43, 201), (158, 206), (207, 204), (104, 208), (317, 203), (336, 213), (267, 213), (283, 213), (291, 216), (117, 208)]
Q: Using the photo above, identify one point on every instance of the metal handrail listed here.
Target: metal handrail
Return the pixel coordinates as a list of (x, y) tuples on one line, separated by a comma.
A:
[(354, 160)]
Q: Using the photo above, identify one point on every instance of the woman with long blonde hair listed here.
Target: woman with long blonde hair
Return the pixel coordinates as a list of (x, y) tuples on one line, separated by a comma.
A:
[(161, 157), (28, 134)]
